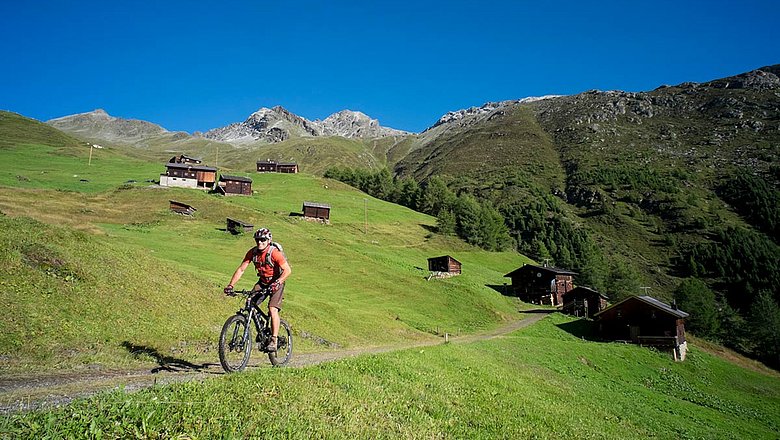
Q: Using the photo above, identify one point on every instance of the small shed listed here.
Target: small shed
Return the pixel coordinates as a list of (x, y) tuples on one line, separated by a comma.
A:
[(583, 301), (266, 166), (445, 264), (182, 208), (541, 284), (238, 185), (236, 227), (646, 321), (183, 158), (318, 211), (289, 167)]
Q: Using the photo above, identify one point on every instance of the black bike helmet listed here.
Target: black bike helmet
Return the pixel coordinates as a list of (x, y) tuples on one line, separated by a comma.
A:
[(263, 234)]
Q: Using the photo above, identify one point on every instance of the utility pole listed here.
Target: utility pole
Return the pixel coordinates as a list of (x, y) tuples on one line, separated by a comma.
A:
[(645, 288), (546, 262), (89, 163)]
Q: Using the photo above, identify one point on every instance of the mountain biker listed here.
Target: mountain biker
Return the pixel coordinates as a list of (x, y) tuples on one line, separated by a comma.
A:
[(271, 272)]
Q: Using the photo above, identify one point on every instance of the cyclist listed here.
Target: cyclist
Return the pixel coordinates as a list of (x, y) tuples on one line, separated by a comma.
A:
[(272, 270)]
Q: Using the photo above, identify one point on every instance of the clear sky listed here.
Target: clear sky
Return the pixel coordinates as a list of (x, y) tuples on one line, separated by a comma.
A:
[(196, 65)]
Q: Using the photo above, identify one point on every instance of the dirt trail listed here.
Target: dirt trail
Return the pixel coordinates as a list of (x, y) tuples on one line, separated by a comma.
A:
[(23, 393)]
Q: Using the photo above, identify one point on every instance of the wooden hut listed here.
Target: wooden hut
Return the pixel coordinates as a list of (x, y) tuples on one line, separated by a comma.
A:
[(289, 167), (188, 176), (182, 208), (183, 158), (235, 185), (272, 166), (317, 211), (541, 284), (266, 166), (444, 264), (583, 301), (646, 321), (236, 227)]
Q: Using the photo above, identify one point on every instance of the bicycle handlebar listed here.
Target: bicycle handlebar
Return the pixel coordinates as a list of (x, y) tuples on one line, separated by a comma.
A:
[(263, 291)]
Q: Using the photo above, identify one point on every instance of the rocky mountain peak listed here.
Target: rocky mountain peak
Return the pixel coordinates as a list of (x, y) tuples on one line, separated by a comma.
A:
[(277, 124)]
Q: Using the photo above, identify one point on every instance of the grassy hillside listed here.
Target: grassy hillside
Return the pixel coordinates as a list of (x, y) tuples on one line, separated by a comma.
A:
[(89, 273), (539, 382)]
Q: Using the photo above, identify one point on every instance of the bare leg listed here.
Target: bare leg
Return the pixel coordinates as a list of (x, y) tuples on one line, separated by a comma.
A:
[(274, 312)]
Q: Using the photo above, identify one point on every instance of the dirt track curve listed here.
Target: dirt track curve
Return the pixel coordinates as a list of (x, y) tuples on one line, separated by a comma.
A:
[(24, 393)]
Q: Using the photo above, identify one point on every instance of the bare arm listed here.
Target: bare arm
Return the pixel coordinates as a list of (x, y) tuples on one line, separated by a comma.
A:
[(239, 272), (286, 271)]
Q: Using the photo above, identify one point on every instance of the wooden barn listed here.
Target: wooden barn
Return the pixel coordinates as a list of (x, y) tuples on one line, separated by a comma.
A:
[(235, 185), (541, 284), (272, 166), (236, 227), (646, 321), (444, 264), (182, 208), (583, 301), (318, 211), (183, 158), (267, 166), (289, 167), (188, 176)]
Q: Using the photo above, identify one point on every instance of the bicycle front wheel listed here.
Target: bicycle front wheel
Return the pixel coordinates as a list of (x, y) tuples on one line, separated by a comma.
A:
[(234, 349), (284, 345)]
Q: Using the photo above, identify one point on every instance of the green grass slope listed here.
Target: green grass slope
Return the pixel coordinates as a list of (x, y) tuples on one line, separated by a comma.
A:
[(92, 275), (540, 382)]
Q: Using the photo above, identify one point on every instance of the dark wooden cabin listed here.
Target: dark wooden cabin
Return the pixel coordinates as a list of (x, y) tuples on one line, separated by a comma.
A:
[(272, 166), (319, 211), (646, 321), (183, 158), (188, 176), (266, 166), (289, 167), (445, 264), (182, 208), (541, 285), (583, 301), (235, 185), (236, 227)]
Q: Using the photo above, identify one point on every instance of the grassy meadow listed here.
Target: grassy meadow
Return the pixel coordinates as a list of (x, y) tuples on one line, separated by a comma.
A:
[(95, 277), (541, 382), (101, 275)]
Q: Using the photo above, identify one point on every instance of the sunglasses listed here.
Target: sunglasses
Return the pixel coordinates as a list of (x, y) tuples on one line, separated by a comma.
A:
[(262, 240)]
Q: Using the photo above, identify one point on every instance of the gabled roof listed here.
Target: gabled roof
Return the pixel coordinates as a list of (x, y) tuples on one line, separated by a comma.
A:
[(183, 205), (444, 256), (287, 164), (235, 178), (269, 161), (551, 270), (666, 308), (315, 205), (186, 166)]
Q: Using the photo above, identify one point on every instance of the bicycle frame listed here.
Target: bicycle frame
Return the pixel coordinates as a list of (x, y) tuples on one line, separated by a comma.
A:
[(253, 313)]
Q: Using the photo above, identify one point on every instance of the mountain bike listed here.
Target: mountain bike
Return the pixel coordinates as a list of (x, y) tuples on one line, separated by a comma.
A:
[(235, 340)]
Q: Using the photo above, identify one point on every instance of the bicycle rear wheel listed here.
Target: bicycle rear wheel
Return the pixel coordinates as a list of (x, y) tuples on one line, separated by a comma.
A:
[(234, 350), (284, 345)]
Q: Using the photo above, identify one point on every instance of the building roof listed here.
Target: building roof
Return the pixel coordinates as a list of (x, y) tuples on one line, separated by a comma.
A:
[(185, 166), (443, 256), (269, 161), (651, 302), (549, 269), (287, 164), (183, 205), (235, 178), (315, 205), (239, 222)]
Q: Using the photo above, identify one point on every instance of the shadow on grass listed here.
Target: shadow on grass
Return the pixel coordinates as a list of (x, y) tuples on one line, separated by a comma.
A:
[(503, 289), (166, 363), (582, 328)]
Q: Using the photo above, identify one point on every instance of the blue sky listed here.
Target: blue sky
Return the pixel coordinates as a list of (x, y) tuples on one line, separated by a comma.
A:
[(196, 65)]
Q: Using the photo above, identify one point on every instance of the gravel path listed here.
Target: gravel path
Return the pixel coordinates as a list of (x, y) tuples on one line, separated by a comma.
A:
[(24, 393)]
